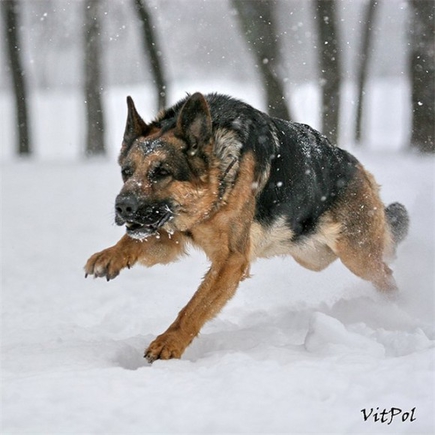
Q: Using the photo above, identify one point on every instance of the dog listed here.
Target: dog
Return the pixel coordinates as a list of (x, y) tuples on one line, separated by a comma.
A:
[(214, 172)]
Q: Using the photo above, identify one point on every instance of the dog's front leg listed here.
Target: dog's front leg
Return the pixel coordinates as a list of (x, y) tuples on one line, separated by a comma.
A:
[(219, 285), (162, 248)]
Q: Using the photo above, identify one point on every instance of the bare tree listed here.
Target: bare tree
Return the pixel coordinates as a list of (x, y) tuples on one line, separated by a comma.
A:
[(364, 58), (93, 83), (259, 28), (152, 51), (11, 9), (422, 65), (330, 66)]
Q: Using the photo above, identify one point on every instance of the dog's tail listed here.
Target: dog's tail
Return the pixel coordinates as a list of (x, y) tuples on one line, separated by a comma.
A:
[(398, 220)]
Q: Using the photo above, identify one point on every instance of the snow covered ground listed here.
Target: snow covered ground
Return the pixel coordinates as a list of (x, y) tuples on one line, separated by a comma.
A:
[(293, 352)]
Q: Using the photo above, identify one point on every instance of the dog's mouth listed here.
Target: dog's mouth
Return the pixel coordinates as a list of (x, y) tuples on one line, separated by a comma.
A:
[(140, 231)]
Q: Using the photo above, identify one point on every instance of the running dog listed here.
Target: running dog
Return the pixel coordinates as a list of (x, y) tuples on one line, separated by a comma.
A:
[(214, 172)]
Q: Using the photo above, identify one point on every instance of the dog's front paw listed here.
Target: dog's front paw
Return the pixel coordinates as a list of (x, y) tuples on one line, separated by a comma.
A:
[(107, 263), (166, 346)]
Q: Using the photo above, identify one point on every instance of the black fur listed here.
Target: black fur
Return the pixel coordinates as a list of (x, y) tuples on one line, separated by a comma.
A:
[(307, 173), (216, 173)]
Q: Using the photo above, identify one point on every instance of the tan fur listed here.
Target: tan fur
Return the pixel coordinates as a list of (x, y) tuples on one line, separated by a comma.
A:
[(314, 252), (227, 149), (215, 211), (355, 231), (317, 253), (224, 237), (365, 239), (159, 249), (269, 242)]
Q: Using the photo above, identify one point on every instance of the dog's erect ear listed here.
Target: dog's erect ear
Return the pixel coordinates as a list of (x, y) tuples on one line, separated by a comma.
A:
[(135, 126), (194, 122)]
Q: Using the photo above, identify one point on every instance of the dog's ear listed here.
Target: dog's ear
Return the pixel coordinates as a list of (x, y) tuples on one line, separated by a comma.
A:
[(194, 123), (135, 126)]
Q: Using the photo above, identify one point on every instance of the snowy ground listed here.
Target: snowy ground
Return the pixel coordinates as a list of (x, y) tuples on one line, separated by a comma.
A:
[(294, 351)]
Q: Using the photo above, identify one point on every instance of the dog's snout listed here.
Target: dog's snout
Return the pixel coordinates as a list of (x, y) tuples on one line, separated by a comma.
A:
[(126, 205)]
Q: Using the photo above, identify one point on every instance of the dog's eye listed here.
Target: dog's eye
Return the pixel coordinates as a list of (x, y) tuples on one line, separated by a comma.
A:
[(160, 172), (126, 172)]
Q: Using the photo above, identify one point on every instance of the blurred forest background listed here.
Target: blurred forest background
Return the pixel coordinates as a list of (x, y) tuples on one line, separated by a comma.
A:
[(74, 53)]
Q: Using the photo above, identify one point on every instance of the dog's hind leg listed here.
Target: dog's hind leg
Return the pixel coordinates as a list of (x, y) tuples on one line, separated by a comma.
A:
[(365, 261), (365, 238)]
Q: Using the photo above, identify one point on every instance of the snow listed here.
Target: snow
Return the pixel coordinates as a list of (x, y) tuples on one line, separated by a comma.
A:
[(293, 352)]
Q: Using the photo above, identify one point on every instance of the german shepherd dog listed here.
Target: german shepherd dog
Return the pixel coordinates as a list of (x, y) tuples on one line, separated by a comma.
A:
[(214, 172)]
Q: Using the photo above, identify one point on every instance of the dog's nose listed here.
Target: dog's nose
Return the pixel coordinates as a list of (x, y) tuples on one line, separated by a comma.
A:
[(126, 206)]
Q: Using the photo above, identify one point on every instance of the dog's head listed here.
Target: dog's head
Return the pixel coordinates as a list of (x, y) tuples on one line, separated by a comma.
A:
[(167, 171)]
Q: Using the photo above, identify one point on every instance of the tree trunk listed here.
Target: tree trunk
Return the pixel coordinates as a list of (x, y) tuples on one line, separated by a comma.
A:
[(151, 48), (259, 29), (10, 9), (422, 66), (330, 68), (364, 56), (93, 84)]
